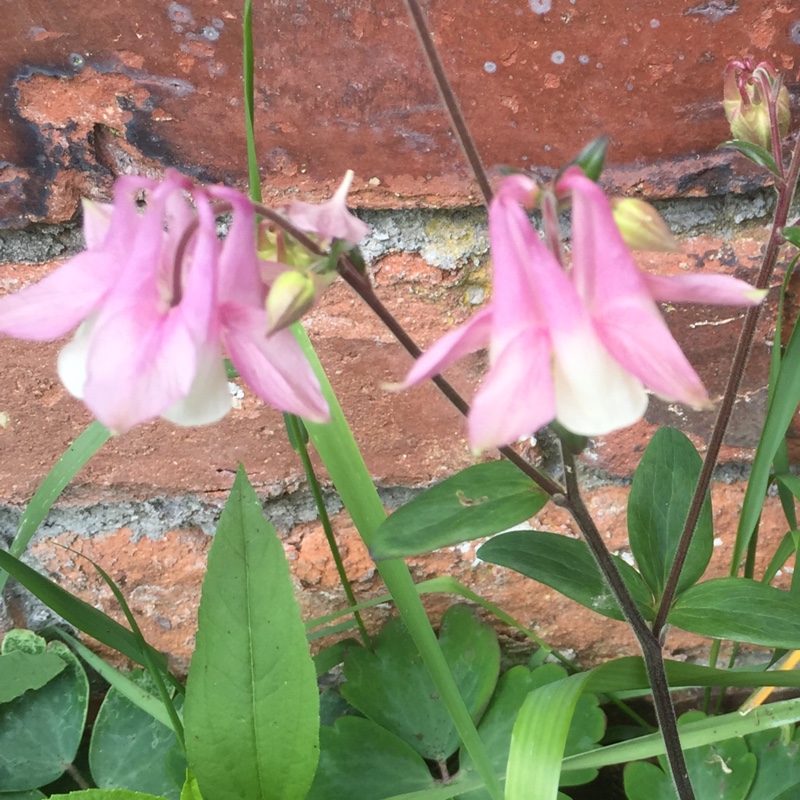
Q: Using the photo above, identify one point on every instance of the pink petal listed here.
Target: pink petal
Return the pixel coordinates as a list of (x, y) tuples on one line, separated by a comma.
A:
[(140, 363), (603, 268), (275, 366), (516, 397), (721, 290), (469, 337), (638, 338), (529, 284), (62, 300), (240, 278), (96, 221), (330, 220)]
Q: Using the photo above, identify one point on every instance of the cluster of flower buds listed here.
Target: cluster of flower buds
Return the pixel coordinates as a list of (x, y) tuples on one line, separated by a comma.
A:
[(756, 103), (158, 299)]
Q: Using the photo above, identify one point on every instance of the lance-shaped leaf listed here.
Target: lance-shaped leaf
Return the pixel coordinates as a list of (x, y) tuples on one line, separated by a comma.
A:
[(252, 706), (478, 501)]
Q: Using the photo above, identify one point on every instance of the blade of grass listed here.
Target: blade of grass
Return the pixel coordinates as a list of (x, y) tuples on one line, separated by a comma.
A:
[(125, 686), (175, 721), (707, 731), (65, 469)]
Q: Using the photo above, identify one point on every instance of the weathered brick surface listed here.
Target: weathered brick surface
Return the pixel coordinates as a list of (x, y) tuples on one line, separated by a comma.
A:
[(409, 440), (148, 86), (153, 84)]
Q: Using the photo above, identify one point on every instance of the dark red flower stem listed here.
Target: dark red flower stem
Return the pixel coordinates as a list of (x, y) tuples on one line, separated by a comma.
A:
[(785, 195)]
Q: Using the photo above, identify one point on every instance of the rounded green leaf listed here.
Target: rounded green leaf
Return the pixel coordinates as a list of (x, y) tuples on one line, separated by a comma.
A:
[(778, 769), (586, 729), (393, 688), (20, 672), (105, 794), (131, 750), (41, 730), (478, 501), (360, 760), (723, 770)]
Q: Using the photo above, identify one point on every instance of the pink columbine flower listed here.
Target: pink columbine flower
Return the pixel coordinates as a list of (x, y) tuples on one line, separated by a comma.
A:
[(330, 220), (581, 347), (153, 297)]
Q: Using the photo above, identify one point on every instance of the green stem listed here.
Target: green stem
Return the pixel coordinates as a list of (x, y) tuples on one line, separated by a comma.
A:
[(249, 101), (316, 491), (339, 452)]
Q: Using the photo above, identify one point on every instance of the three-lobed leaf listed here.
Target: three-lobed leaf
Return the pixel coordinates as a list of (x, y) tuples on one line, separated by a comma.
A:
[(129, 749), (392, 687), (40, 731)]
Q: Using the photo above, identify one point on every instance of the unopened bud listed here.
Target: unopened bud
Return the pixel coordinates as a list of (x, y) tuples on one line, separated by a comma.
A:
[(291, 295), (641, 226), (750, 91)]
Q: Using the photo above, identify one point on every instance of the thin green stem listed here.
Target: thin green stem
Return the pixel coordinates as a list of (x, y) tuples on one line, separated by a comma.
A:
[(740, 358), (248, 62), (339, 452), (325, 519)]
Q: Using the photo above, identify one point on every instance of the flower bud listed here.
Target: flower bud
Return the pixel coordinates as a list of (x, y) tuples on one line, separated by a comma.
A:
[(291, 295), (641, 226), (749, 94)]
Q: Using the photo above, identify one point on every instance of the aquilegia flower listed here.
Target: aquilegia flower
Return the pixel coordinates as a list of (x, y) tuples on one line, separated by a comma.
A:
[(581, 347), (329, 220), (154, 297)]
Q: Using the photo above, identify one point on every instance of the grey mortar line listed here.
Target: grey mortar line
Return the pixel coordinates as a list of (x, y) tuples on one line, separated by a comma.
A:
[(446, 238)]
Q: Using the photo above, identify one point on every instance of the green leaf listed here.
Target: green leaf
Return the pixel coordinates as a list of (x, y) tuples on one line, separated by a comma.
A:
[(77, 612), (695, 734), (778, 771), (21, 672), (539, 739), (792, 234), (785, 399), (41, 730), (722, 770), (332, 656), (758, 155), (66, 468), (662, 491), (252, 706), (567, 566), (478, 501), (31, 794), (122, 683), (190, 791), (105, 794), (131, 750), (739, 609), (392, 687), (360, 760), (592, 158), (586, 729)]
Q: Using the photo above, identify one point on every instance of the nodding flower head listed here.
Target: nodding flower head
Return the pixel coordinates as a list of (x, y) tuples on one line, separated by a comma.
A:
[(154, 298)]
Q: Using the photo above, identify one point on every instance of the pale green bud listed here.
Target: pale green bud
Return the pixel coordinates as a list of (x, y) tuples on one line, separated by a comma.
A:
[(641, 226)]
